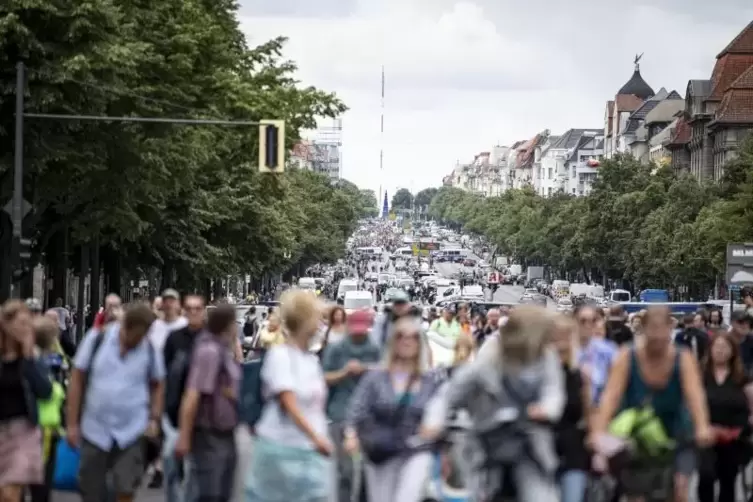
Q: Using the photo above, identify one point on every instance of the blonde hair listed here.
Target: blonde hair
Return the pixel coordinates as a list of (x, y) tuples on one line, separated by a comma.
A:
[(567, 324), (274, 316), (402, 326), (46, 331), (299, 310), (464, 343), (526, 334)]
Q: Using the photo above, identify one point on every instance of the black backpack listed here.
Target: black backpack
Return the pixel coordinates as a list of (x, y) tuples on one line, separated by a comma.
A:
[(175, 381)]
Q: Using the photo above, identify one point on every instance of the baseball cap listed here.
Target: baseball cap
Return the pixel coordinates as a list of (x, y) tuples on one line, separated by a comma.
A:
[(359, 322), (400, 296), (171, 293)]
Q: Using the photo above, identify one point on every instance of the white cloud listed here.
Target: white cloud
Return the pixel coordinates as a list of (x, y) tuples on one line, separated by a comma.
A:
[(463, 76)]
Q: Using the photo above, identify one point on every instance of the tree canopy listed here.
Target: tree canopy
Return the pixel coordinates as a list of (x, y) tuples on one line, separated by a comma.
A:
[(402, 199), (187, 201), (424, 197), (641, 225)]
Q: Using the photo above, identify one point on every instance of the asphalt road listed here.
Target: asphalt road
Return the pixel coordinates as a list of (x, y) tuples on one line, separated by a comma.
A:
[(504, 294)]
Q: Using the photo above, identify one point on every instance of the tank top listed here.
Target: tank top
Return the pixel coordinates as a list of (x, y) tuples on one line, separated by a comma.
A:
[(667, 402)]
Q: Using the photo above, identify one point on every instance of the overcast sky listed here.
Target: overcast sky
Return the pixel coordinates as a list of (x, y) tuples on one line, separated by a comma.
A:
[(464, 76)]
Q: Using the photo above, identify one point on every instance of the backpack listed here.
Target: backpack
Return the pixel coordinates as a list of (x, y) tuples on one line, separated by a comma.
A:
[(251, 403), (175, 381)]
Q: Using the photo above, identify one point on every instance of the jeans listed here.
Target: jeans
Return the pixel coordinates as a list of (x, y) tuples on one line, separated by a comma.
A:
[(176, 489), (573, 486)]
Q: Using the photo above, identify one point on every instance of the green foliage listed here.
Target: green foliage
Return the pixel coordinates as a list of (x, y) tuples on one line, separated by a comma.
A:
[(402, 199), (424, 197), (647, 225), (159, 195)]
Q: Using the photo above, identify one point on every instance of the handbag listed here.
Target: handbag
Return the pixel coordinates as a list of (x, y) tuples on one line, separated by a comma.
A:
[(67, 461), (505, 444), (379, 443)]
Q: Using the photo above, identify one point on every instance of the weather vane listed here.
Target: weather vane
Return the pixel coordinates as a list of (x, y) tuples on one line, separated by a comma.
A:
[(637, 61)]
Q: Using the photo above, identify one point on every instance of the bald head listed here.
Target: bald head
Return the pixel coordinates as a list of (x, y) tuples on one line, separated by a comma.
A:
[(493, 317)]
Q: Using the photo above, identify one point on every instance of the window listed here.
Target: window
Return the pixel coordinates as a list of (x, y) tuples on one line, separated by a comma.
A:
[(549, 191), (549, 173)]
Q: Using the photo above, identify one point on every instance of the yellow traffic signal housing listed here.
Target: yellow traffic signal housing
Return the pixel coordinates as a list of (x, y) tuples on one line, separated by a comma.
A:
[(272, 146)]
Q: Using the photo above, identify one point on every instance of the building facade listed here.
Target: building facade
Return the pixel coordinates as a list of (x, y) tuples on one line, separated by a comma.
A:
[(718, 113), (316, 156)]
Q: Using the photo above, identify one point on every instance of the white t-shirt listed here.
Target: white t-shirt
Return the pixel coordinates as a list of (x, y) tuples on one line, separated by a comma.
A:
[(63, 317), (161, 329), (287, 368)]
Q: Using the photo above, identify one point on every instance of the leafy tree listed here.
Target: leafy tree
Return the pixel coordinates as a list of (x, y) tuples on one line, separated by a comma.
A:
[(402, 199), (641, 225), (424, 197), (185, 201)]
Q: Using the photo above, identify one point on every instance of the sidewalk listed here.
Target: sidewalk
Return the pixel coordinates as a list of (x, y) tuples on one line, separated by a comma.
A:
[(144, 495)]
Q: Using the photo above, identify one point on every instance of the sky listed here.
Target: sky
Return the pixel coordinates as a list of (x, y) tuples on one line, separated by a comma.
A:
[(463, 76)]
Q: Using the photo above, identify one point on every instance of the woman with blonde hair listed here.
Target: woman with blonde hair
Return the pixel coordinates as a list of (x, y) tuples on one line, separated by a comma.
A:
[(291, 448), (384, 417), (516, 370), (272, 334)]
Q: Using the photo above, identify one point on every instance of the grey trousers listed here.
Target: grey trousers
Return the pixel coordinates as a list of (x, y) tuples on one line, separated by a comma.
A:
[(344, 465)]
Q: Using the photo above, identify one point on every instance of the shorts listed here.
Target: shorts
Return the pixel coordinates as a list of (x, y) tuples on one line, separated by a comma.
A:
[(125, 464), (685, 461)]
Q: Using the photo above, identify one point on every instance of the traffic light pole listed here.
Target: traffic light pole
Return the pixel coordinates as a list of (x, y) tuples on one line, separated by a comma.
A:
[(18, 175), (271, 152)]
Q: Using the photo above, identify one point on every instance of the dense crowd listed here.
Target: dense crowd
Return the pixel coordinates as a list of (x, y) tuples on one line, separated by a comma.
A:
[(533, 404)]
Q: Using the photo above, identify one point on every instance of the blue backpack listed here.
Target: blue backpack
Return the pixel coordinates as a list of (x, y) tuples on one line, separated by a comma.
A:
[(251, 402)]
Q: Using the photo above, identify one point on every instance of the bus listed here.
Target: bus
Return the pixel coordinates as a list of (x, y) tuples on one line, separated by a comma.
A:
[(424, 246)]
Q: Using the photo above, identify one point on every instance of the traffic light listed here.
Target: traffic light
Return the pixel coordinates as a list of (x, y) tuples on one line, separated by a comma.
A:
[(272, 146), (22, 255)]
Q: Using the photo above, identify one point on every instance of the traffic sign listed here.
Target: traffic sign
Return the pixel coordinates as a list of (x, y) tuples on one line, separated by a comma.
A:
[(493, 278), (26, 208)]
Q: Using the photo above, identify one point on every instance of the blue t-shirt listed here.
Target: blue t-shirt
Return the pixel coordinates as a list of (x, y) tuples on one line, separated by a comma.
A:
[(597, 358)]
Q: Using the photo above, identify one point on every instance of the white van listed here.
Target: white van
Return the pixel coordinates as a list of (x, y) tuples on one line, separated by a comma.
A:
[(620, 296), (357, 300), (345, 286), (403, 253), (307, 283)]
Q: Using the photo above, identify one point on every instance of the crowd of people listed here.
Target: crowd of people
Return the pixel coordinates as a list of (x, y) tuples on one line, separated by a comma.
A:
[(534, 405)]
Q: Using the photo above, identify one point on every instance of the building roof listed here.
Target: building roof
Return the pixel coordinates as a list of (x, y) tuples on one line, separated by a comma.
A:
[(525, 155), (737, 103), (572, 137), (732, 62), (627, 102), (587, 142), (636, 86), (664, 111), (741, 44), (681, 134)]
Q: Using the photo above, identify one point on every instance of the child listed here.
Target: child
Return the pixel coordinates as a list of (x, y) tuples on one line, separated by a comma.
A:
[(46, 334)]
